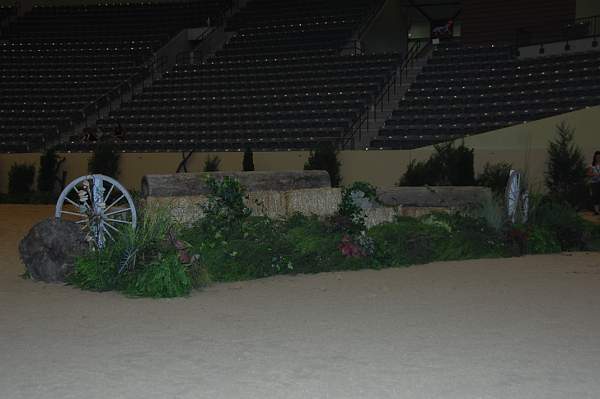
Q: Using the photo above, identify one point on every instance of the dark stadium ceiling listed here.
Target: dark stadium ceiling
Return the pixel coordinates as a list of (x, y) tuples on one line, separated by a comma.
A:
[(432, 10)]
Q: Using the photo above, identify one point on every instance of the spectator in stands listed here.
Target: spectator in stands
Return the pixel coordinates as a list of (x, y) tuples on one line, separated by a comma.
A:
[(119, 132), (443, 31), (594, 174)]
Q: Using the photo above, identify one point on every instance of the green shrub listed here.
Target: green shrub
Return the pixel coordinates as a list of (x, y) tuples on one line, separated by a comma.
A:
[(456, 163), (95, 272), (495, 176), (225, 207), (448, 166), (241, 253), (562, 220), (164, 277), (325, 157), (405, 242), (469, 238), (212, 164), (435, 237), (419, 174), (492, 212), (20, 179), (541, 240), (248, 162), (105, 159), (47, 177), (141, 262), (566, 169)]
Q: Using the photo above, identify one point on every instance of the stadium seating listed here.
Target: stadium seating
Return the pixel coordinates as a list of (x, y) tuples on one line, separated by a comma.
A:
[(280, 83), (6, 12), (467, 90), (57, 61)]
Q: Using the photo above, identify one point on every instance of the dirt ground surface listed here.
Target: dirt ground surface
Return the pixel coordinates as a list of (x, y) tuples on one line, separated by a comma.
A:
[(508, 328)]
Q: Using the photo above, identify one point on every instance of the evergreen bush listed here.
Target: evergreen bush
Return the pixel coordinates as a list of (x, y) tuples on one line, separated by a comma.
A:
[(105, 159), (448, 166), (325, 157), (566, 169), (47, 177), (212, 164), (495, 176), (248, 162)]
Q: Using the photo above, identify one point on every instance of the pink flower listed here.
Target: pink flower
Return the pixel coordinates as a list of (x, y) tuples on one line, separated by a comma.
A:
[(350, 249)]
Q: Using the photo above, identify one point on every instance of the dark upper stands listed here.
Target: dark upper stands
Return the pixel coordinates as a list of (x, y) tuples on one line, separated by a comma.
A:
[(279, 83), (6, 12), (467, 90), (59, 60)]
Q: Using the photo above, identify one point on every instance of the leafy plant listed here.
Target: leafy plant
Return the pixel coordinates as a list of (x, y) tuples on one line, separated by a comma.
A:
[(164, 277), (105, 159), (419, 174), (562, 220), (248, 162), (495, 176), (212, 164), (142, 245), (492, 212), (566, 169), (141, 262), (542, 240), (225, 206), (95, 272), (449, 165), (20, 179), (325, 157)]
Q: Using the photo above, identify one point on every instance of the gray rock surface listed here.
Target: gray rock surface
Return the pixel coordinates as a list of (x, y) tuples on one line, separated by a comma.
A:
[(50, 248), (439, 196), (192, 184)]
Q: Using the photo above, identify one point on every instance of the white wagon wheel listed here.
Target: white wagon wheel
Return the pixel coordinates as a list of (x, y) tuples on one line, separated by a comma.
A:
[(100, 204), (517, 198), (513, 195)]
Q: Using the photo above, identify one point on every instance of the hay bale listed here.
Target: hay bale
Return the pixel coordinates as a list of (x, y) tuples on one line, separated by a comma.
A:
[(184, 210), (318, 201), (378, 215), (267, 203)]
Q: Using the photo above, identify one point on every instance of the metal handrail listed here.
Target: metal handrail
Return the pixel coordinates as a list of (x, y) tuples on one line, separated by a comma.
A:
[(563, 30), (182, 56), (392, 84), (150, 68), (355, 47), (372, 14)]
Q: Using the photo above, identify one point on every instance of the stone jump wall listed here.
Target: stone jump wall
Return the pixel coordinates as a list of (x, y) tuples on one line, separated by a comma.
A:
[(282, 194)]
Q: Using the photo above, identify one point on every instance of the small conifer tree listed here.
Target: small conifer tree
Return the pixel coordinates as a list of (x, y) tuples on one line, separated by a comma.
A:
[(565, 168), (325, 158), (248, 163)]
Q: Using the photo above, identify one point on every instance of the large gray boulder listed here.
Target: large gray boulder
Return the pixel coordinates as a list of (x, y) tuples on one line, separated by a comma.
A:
[(50, 248)]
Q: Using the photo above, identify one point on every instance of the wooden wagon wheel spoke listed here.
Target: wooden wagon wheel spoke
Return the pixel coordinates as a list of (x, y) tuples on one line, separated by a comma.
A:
[(89, 196), (72, 213), (112, 227), (107, 232), (116, 212)]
